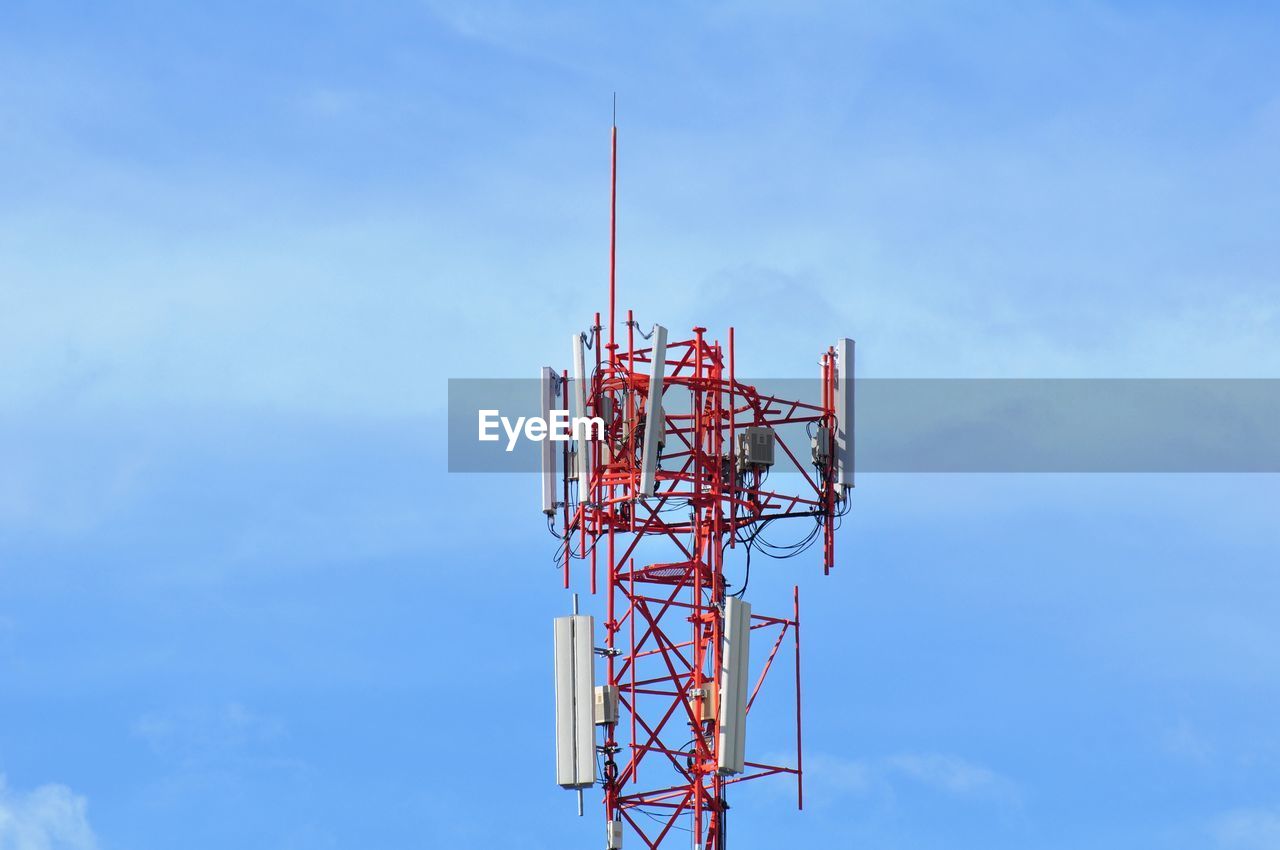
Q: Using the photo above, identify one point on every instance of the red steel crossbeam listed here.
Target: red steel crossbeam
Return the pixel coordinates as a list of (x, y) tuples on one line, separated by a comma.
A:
[(664, 622), (665, 619)]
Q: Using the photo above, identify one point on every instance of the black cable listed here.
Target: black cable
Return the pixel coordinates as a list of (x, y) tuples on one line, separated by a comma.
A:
[(634, 324), (746, 579), (784, 551), (662, 820)]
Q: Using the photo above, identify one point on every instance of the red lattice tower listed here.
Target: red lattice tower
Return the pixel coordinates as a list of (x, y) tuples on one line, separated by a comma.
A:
[(663, 759)]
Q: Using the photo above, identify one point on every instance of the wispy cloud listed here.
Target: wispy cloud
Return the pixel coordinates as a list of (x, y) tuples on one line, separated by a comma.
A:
[(51, 817), (834, 776), (215, 749), (200, 735), (949, 773), (1184, 741), (1248, 829)]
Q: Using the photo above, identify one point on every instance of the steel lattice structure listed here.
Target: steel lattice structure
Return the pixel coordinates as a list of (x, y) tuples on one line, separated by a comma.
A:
[(664, 620)]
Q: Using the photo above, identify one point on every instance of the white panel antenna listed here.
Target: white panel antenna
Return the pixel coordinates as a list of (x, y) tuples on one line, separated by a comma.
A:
[(547, 449), (580, 411), (844, 417), (575, 701), (734, 655), (655, 419)]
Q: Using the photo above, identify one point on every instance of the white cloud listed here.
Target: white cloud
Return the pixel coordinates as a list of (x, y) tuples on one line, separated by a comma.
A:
[(836, 775), (51, 817), (948, 773), (832, 776), (1184, 741), (204, 735), (1248, 829)]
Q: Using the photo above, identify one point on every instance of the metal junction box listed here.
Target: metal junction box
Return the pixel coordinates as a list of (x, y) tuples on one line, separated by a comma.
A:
[(710, 700), (755, 448), (613, 835), (821, 445), (606, 705)]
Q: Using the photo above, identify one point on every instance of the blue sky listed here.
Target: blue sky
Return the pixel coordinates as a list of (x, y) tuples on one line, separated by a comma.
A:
[(243, 246)]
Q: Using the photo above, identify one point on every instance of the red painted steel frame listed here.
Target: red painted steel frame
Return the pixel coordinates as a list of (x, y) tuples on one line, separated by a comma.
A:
[(669, 614), (664, 619)]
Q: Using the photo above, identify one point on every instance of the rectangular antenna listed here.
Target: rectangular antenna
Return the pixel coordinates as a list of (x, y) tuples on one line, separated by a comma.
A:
[(844, 416), (575, 701), (580, 411), (546, 449), (655, 419), (735, 652)]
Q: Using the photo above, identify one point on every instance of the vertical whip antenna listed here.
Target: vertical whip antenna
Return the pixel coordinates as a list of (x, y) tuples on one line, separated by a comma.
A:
[(613, 227)]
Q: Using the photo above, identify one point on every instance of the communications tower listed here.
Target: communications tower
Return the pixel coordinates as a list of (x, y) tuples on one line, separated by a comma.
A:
[(673, 473)]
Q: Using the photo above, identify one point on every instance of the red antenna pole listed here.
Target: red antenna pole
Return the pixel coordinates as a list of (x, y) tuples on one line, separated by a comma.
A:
[(613, 228)]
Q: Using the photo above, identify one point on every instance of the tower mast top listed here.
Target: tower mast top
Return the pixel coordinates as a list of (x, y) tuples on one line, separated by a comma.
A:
[(613, 231)]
